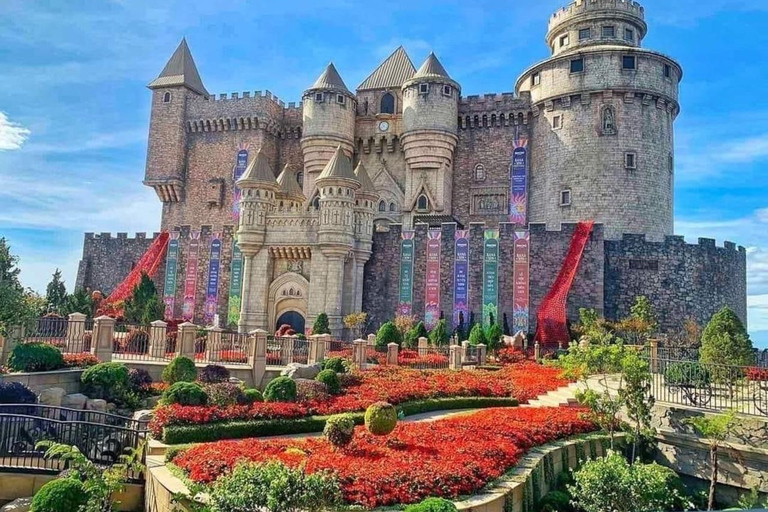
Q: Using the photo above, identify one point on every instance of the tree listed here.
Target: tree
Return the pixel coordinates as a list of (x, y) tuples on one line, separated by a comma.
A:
[(716, 430), (56, 293), (477, 336), (144, 306), (643, 310), (411, 337), (506, 331), (725, 341), (439, 335), (493, 336), (388, 333), (17, 305), (321, 325), (355, 322), (460, 331), (404, 323), (79, 302), (636, 397)]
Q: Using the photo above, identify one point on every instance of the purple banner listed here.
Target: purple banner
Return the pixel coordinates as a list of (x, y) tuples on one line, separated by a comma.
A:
[(461, 277), (240, 164), (212, 290), (432, 302), (518, 196)]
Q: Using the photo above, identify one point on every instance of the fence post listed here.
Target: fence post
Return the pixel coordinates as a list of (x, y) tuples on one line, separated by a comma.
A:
[(371, 340), (537, 351), (76, 332), (157, 333), (464, 348), (454, 357), (258, 358), (360, 351), (323, 346), (213, 343), (393, 350), (654, 355), (482, 354), (315, 355), (186, 339), (423, 344), (102, 338), (286, 350)]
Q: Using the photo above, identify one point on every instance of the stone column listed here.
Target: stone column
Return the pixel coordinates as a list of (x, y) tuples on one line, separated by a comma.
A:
[(324, 343), (360, 352), (213, 343), (392, 353), (537, 351), (423, 343), (253, 312), (454, 357), (157, 333), (313, 344), (481, 354), (359, 272), (245, 304), (258, 358), (654, 347), (76, 333), (333, 294), (286, 350), (102, 338), (464, 349), (371, 339), (186, 340)]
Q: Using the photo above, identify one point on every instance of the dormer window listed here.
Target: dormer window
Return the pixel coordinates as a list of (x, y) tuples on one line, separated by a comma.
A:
[(318, 97), (167, 97), (422, 203), (340, 99), (423, 88)]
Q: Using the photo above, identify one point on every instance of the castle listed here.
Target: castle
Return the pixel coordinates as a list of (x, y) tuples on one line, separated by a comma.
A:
[(406, 193)]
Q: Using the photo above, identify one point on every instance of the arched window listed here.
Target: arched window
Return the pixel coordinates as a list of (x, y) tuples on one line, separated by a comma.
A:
[(382, 206), (300, 178), (167, 97), (422, 203), (387, 104), (479, 172), (316, 203), (392, 207)]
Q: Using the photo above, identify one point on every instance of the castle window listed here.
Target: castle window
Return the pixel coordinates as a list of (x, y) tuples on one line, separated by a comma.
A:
[(536, 79), (609, 31), (300, 178), (630, 160), (387, 104), (629, 62), (340, 99), (392, 207), (667, 71), (316, 203), (167, 97), (671, 164), (423, 88), (629, 35), (382, 206), (422, 203), (557, 122), (318, 97), (564, 40), (609, 121), (446, 90), (565, 197), (585, 33), (577, 65), (479, 172)]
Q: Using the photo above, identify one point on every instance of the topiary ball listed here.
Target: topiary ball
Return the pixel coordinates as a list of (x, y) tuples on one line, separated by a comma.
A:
[(35, 357), (61, 495), (213, 373), (381, 418), (281, 389), (181, 369), (108, 381), (252, 395), (336, 364), (339, 430), (432, 505), (184, 393), (331, 381)]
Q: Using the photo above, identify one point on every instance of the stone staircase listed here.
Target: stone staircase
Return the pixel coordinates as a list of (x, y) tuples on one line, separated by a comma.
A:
[(566, 395)]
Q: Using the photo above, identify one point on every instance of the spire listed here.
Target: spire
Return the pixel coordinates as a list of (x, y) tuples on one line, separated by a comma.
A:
[(339, 166), (431, 68), (330, 79), (180, 70), (289, 187), (258, 171), (393, 72), (366, 185)]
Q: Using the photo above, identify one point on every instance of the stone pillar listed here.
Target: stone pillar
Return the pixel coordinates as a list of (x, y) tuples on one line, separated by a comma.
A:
[(258, 358), (253, 311), (334, 294), (654, 355), (76, 333), (360, 353), (423, 344), (286, 350), (186, 340), (245, 304), (157, 333), (214, 343), (464, 349), (371, 339), (316, 349), (481, 354), (454, 357), (537, 351), (392, 353), (102, 338)]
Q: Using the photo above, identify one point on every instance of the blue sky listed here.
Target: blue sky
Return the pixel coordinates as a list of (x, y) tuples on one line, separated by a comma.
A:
[(74, 107)]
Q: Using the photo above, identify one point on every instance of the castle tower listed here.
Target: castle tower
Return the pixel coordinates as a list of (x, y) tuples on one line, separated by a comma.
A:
[(167, 149), (289, 195), (258, 199), (338, 186), (430, 113), (603, 107), (366, 200), (329, 122)]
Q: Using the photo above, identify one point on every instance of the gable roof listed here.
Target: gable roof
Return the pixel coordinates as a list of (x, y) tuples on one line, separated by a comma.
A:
[(431, 67), (339, 166), (258, 171), (330, 79), (393, 72), (289, 187), (180, 70)]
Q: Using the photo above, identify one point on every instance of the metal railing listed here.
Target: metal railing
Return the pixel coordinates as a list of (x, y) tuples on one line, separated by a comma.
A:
[(132, 342), (282, 351), (69, 336), (424, 358), (338, 348), (470, 356), (223, 347), (375, 355)]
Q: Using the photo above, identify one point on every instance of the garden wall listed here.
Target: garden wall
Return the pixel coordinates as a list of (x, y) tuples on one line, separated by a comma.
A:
[(69, 380)]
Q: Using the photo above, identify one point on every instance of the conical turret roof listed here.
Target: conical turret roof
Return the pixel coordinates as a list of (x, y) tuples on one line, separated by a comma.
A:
[(330, 79), (393, 72), (180, 70), (339, 166), (431, 68), (289, 187), (366, 185), (258, 171)]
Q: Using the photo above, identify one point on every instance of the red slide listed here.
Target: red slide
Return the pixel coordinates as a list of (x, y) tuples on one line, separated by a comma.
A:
[(148, 264), (551, 325)]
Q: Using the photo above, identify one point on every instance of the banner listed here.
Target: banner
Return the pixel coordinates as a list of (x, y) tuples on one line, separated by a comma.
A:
[(461, 277), (190, 277), (490, 276), (212, 290), (235, 286), (518, 179), (521, 278), (432, 302), (405, 302), (240, 164), (171, 264)]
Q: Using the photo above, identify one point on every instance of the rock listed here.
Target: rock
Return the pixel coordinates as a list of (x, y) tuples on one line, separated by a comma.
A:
[(150, 402), (301, 371), (96, 405), (74, 401), (18, 505), (111, 407), (51, 396), (144, 415)]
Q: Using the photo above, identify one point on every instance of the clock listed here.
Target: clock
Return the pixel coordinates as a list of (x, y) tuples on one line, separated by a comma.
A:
[(383, 126)]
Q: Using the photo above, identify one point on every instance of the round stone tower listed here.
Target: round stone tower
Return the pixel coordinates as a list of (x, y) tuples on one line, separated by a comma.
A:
[(329, 122), (430, 113), (602, 143)]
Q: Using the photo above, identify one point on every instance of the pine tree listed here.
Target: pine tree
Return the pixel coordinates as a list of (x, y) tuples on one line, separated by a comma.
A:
[(439, 335), (321, 325), (506, 330), (725, 341), (459, 331), (79, 302), (493, 336), (477, 336), (13, 308), (56, 293), (411, 338), (144, 305)]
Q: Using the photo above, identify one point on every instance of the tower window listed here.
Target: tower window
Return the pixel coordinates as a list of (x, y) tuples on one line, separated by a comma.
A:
[(300, 178), (422, 203), (565, 197), (319, 97), (564, 40), (629, 62), (577, 65), (667, 71), (446, 90), (316, 203), (167, 97), (536, 79), (629, 35), (479, 172), (423, 88), (387, 104), (382, 206), (671, 163), (557, 122), (609, 31), (340, 99), (585, 33), (392, 207), (630, 160)]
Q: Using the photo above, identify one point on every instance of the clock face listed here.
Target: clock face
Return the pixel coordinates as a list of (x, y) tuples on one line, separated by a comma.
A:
[(383, 126)]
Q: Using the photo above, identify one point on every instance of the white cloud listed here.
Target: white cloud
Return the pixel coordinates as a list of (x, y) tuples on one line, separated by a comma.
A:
[(747, 150), (12, 135)]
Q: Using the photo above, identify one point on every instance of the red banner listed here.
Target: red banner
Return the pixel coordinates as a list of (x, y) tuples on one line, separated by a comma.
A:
[(190, 277), (432, 303)]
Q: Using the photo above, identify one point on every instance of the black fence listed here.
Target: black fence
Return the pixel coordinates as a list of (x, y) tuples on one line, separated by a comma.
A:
[(425, 358), (283, 350), (69, 336)]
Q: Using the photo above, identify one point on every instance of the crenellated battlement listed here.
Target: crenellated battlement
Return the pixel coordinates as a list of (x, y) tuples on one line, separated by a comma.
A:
[(580, 7), (139, 235), (246, 95), (679, 241), (489, 110)]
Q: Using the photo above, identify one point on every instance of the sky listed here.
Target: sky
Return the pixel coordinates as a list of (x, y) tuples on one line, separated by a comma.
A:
[(74, 109)]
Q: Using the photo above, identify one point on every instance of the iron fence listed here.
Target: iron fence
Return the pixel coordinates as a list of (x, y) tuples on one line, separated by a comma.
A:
[(223, 347), (424, 358), (470, 356), (283, 350), (69, 336), (134, 342), (338, 348)]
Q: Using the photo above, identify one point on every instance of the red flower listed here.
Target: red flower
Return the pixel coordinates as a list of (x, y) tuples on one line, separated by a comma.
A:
[(757, 374)]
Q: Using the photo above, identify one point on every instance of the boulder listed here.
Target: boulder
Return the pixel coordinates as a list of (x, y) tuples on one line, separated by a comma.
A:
[(235, 380), (111, 408), (51, 396), (150, 402), (301, 371), (144, 415), (18, 505), (96, 405), (74, 401)]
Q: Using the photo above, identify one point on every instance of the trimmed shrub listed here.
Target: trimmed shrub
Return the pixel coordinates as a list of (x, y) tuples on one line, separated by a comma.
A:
[(224, 394), (725, 342), (687, 374), (556, 501), (411, 338), (334, 363), (381, 418), (60, 495), (281, 389), (321, 325), (439, 335), (477, 336), (307, 390), (331, 381), (139, 379), (35, 357), (184, 393), (493, 336), (432, 505), (213, 373), (16, 393), (181, 369), (252, 395), (108, 381), (339, 430), (388, 333)]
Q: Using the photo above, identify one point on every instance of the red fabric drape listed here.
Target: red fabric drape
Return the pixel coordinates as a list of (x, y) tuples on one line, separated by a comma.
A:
[(148, 263)]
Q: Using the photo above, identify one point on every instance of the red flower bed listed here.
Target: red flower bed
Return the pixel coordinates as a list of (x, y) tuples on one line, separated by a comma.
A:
[(412, 358), (445, 458), (757, 374), (395, 385), (82, 360)]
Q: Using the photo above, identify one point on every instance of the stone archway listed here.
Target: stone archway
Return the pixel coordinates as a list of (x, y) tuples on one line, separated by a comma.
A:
[(288, 294), (293, 318)]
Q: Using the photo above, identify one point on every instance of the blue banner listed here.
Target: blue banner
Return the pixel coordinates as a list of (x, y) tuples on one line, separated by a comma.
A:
[(518, 197)]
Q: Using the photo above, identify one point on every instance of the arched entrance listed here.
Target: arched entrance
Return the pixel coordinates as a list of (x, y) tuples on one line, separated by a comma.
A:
[(292, 318)]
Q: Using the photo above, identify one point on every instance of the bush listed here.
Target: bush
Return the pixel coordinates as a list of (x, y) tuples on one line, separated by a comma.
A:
[(331, 380), (60, 495), (439, 335), (493, 336), (477, 336), (725, 342), (275, 488), (16, 393), (184, 393), (687, 374), (252, 395), (556, 501), (213, 373), (181, 369), (224, 394), (388, 333), (339, 430), (432, 505), (411, 338), (321, 325), (334, 363), (307, 390), (108, 381), (35, 357), (281, 389), (139, 379), (381, 418)]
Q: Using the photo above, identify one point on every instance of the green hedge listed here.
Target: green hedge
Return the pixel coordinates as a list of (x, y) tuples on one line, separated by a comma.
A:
[(178, 434)]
